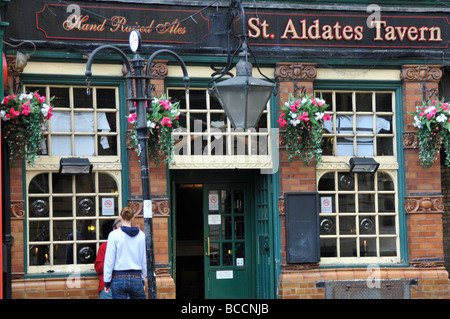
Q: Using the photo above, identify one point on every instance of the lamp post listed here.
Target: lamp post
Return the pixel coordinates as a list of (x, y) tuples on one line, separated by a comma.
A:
[(139, 93)]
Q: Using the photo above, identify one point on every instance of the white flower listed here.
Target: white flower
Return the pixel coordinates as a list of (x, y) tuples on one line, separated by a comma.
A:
[(319, 115), (151, 124), (295, 122), (304, 100), (25, 96), (429, 109), (441, 118), (3, 115), (45, 109), (417, 122)]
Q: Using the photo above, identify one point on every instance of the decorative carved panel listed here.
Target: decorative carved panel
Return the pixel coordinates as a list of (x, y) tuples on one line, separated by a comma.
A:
[(409, 139), (17, 210), (424, 204), (419, 73), (295, 71), (160, 206)]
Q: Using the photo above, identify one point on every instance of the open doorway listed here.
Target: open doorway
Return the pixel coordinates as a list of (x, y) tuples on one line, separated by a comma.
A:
[(189, 242)]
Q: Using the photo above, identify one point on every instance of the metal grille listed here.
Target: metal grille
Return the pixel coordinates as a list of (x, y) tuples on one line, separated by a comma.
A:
[(362, 289)]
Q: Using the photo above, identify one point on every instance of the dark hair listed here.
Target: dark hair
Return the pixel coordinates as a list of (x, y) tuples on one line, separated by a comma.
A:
[(127, 213)]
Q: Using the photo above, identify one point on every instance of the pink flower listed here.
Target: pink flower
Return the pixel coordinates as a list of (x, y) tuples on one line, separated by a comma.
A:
[(132, 118), (293, 108), (26, 109), (165, 104), (304, 117), (14, 112), (327, 117), (41, 99), (282, 122), (166, 121)]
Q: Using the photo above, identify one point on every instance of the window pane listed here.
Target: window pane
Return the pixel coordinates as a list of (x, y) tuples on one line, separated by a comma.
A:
[(62, 230), (106, 99), (388, 246), (86, 253), (367, 225), (368, 247), (62, 207), (62, 183), (86, 229), (343, 102), (366, 182), (39, 184), (85, 206), (39, 231), (326, 182), (363, 102), (81, 99), (387, 225), (38, 207), (386, 202), (385, 146), (106, 184), (385, 182), (346, 182), (384, 102), (85, 183), (227, 250), (366, 202), (61, 99), (348, 247), (327, 225), (328, 247), (347, 225), (38, 255), (347, 203)]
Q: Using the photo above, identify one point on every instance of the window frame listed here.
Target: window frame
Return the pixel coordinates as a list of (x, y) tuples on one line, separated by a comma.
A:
[(102, 164), (388, 164), (225, 161)]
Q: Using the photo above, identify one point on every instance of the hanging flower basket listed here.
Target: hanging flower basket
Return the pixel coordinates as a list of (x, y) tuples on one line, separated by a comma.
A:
[(24, 122), (161, 124), (432, 120), (303, 119)]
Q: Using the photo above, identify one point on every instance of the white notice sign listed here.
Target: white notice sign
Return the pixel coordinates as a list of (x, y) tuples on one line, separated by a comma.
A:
[(224, 274), (107, 206), (214, 219), (326, 205), (147, 208)]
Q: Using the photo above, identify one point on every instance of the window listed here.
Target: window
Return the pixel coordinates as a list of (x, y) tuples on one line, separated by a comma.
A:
[(358, 216), (82, 125), (362, 123), (206, 137), (359, 211), (68, 217)]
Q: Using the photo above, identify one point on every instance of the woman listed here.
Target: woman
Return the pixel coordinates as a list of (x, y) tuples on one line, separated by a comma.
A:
[(125, 265), (99, 261)]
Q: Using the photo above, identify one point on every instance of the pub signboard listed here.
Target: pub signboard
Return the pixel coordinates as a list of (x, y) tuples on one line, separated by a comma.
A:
[(271, 30)]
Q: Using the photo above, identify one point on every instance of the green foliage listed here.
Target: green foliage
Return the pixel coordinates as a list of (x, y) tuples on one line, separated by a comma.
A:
[(303, 118), (24, 122)]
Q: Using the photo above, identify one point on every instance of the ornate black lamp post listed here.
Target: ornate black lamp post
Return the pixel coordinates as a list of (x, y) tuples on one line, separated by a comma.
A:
[(139, 93)]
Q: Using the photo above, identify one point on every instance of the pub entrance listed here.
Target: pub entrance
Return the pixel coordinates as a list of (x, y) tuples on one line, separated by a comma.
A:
[(222, 245)]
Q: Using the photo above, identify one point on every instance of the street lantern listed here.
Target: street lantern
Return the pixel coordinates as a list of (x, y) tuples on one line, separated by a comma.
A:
[(242, 97), (139, 95)]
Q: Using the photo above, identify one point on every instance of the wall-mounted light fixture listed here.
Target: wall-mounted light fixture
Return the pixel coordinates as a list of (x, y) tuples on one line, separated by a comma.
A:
[(75, 166), (242, 97), (363, 165), (21, 58)]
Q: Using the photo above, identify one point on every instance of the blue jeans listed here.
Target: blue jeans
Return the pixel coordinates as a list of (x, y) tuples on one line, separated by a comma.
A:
[(127, 286)]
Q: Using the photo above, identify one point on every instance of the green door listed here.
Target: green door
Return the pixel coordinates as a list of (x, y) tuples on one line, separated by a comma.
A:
[(227, 244)]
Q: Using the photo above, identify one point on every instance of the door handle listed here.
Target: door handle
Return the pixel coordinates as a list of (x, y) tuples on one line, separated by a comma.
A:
[(208, 247)]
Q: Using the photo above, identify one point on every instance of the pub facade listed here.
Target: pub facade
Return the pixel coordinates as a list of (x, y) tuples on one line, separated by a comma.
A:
[(233, 215)]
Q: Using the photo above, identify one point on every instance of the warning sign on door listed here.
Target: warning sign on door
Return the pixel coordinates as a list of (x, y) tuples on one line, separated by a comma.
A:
[(213, 200)]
